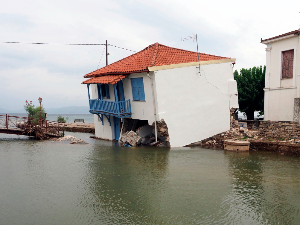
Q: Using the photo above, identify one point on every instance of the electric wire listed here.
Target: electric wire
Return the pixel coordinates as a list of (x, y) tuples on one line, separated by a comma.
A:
[(101, 58), (45, 43)]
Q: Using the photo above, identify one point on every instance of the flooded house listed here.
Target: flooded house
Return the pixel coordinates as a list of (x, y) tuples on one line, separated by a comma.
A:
[(173, 95)]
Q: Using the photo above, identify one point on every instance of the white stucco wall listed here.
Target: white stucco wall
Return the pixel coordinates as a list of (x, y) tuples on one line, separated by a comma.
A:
[(279, 104), (275, 62), (195, 106), (103, 131), (280, 93), (142, 110)]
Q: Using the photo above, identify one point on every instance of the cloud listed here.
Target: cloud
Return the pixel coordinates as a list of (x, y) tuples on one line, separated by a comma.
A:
[(55, 71)]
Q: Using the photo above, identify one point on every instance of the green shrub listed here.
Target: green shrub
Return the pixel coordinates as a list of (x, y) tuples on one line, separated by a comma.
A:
[(34, 113), (62, 119)]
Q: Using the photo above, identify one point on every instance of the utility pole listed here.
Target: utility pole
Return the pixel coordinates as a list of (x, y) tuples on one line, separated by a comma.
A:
[(106, 54)]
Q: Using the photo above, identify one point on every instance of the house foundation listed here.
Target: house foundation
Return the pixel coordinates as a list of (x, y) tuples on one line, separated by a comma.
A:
[(138, 132)]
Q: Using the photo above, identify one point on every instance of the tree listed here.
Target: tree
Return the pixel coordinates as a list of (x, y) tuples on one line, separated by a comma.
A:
[(251, 83), (34, 113)]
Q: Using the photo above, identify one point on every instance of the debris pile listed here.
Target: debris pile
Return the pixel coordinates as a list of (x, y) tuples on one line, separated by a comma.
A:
[(145, 135), (20, 125), (129, 137), (72, 140), (235, 133)]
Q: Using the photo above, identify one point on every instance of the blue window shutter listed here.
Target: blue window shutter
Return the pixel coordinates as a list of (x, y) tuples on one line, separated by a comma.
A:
[(107, 90), (99, 91), (141, 89), (134, 85), (121, 89)]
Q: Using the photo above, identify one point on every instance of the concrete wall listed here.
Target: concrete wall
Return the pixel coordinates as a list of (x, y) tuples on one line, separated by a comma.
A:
[(280, 93), (195, 106)]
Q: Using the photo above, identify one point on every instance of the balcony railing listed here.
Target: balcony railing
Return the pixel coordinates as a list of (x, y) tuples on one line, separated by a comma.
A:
[(119, 109)]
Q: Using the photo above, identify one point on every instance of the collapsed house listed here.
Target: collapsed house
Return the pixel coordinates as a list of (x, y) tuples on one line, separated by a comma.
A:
[(162, 95)]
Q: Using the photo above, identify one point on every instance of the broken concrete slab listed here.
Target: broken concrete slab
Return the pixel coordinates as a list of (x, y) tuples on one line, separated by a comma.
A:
[(234, 145), (130, 137)]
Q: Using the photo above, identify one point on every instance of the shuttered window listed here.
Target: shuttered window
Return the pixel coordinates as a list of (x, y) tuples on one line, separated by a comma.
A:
[(103, 91), (287, 64), (137, 85)]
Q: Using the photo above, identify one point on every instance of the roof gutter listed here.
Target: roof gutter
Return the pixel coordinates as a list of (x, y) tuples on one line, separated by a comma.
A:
[(154, 107), (116, 73), (179, 65), (277, 39)]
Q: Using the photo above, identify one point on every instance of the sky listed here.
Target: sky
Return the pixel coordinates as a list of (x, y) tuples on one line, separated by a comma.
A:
[(55, 71)]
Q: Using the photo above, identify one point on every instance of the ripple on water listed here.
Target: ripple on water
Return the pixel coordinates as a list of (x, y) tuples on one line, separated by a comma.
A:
[(44, 182)]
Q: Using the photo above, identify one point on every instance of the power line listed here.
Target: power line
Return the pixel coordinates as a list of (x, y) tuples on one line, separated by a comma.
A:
[(45, 43), (101, 58), (121, 48)]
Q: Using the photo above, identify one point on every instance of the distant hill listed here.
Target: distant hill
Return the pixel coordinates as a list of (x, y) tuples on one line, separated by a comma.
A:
[(12, 111), (69, 110), (63, 110)]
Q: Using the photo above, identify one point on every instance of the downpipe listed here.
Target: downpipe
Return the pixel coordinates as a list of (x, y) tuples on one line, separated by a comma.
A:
[(154, 107)]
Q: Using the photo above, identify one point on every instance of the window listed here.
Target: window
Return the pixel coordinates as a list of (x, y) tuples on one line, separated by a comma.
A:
[(103, 91), (287, 64), (137, 85)]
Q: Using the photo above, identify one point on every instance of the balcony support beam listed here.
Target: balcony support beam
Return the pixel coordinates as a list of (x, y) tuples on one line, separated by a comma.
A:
[(100, 116), (108, 118)]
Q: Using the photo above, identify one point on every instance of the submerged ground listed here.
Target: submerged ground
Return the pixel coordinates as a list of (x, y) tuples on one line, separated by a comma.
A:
[(45, 182)]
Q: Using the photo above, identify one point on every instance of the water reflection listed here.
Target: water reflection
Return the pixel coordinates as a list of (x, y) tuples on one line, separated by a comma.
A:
[(98, 183), (259, 192), (126, 182)]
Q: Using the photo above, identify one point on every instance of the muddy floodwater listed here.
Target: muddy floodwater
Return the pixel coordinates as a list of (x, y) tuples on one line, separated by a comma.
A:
[(44, 182)]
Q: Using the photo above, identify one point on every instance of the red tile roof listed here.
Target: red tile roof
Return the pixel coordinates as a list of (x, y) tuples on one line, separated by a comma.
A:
[(154, 55), (282, 35), (109, 79)]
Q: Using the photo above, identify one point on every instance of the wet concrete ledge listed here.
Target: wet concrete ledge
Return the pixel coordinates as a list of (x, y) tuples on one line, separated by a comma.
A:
[(80, 127)]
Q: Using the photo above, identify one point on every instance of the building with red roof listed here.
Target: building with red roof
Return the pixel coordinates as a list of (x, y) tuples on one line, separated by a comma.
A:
[(191, 92), (282, 79)]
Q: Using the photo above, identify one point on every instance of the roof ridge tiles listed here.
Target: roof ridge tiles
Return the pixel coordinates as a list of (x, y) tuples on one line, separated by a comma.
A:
[(155, 54)]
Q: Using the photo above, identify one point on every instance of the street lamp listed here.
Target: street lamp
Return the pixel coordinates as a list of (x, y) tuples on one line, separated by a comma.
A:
[(40, 101)]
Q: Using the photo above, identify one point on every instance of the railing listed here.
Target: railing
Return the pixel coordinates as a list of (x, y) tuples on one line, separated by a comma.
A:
[(26, 126), (119, 109), (11, 122)]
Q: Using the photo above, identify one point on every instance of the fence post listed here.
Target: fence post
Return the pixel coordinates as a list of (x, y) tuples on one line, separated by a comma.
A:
[(6, 121)]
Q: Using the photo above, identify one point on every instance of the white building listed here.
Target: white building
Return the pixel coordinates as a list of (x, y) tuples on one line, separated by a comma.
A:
[(162, 82), (282, 81)]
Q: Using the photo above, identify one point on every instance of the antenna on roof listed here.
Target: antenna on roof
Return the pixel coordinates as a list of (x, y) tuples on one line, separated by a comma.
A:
[(194, 38), (106, 53)]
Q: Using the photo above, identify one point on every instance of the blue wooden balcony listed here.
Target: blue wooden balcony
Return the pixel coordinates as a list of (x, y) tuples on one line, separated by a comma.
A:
[(119, 109)]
